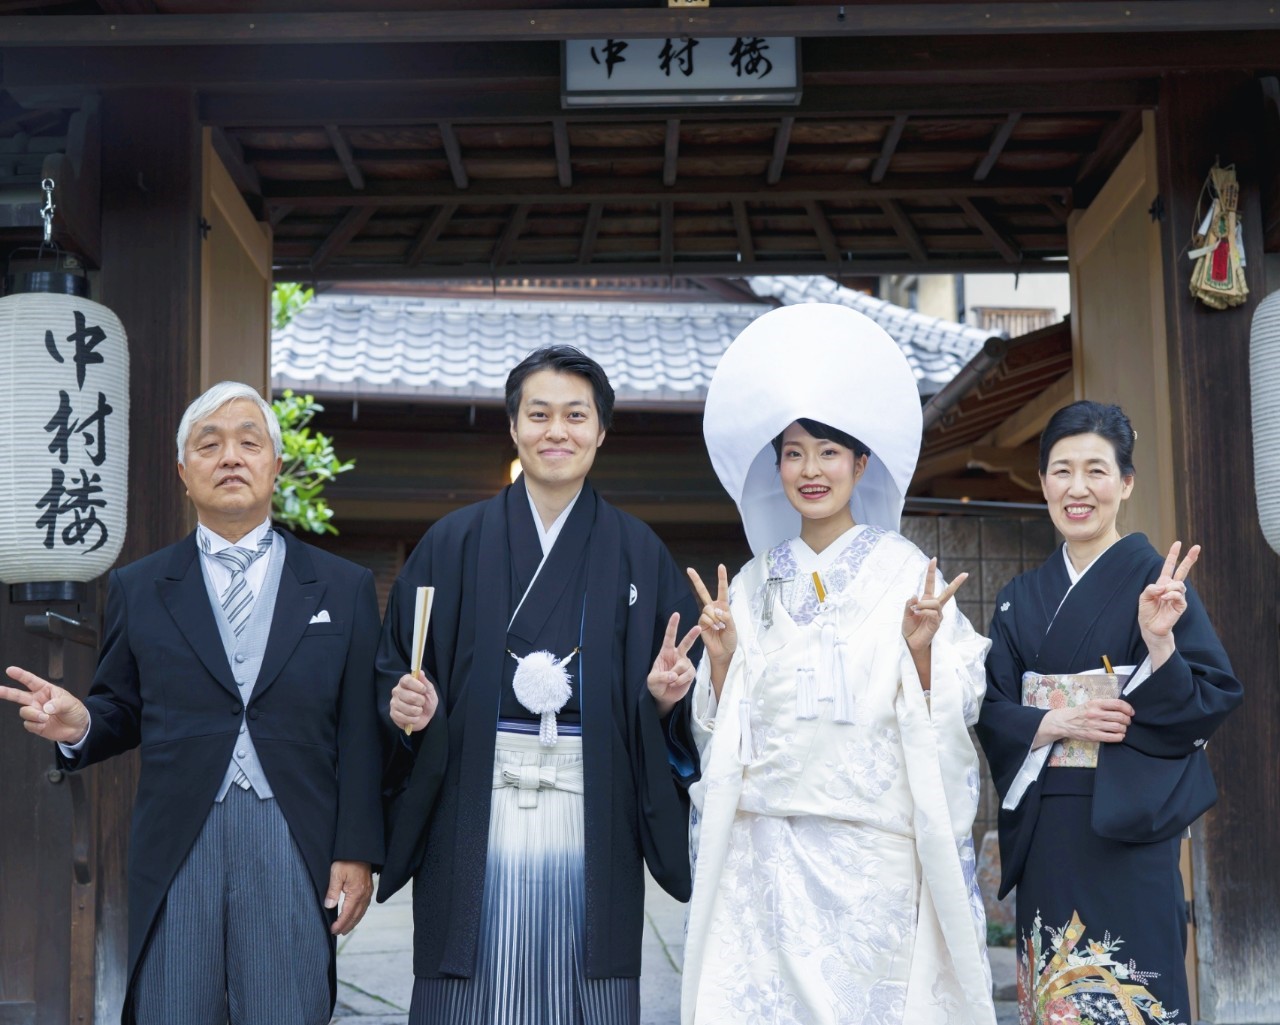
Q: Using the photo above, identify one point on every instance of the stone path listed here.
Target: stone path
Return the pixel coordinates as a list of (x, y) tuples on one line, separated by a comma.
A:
[(375, 966)]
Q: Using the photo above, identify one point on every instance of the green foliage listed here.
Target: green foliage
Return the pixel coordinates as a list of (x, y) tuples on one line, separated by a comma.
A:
[(287, 298), (1000, 935), (309, 464)]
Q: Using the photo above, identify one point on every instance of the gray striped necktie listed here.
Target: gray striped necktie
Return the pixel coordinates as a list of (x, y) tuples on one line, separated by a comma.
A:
[(237, 597)]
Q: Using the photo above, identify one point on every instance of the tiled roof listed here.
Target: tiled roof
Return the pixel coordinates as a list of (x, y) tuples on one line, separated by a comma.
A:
[(654, 353), (936, 349)]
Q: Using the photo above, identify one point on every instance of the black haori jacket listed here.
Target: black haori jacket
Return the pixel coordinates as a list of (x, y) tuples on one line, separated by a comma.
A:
[(1157, 781), (438, 785)]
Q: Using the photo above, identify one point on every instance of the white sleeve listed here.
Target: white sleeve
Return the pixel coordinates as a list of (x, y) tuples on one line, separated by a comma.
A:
[(1032, 766), (72, 750)]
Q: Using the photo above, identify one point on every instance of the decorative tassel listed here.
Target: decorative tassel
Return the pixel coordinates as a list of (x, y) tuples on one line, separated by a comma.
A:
[(806, 694), (826, 685), (843, 709), (746, 754), (542, 685)]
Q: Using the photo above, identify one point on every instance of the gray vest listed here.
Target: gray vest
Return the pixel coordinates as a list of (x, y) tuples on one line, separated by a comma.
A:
[(244, 653)]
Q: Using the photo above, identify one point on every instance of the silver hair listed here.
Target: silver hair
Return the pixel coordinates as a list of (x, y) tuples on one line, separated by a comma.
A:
[(217, 397)]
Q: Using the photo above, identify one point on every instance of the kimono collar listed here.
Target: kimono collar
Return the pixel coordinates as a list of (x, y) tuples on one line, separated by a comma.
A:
[(547, 537), (822, 362)]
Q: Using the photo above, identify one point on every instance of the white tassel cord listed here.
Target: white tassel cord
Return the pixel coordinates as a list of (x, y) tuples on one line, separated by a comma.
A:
[(806, 694), (542, 685), (827, 662), (843, 709)]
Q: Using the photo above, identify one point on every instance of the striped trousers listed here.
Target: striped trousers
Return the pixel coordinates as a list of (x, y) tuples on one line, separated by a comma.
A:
[(241, 937)]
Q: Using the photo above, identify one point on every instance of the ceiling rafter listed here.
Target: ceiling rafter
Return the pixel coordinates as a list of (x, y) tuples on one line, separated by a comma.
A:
[(587, 247), (891, 139), (822, 228), (348, 228), (564, 165), (742, 226), (453, 153), (502, 251), (999, 242), (431, 232), (345, 157), (905, 229), (998, 143), (781, 140), (667, 240), (671, 152)]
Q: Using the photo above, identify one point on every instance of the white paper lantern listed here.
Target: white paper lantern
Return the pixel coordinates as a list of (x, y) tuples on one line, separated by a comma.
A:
[(1264, 383), (64, 437)]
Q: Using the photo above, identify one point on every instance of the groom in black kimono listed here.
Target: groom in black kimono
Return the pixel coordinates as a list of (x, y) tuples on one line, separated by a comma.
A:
[(545, 566)]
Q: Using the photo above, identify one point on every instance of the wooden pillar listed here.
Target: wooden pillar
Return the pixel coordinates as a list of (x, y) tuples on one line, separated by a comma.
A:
[(1237, 886)]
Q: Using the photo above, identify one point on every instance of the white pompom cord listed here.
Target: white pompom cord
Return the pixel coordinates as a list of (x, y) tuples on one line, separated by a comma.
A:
[(543, 686)]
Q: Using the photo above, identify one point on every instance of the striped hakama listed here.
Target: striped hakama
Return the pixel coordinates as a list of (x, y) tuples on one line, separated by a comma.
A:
[(529, 967)]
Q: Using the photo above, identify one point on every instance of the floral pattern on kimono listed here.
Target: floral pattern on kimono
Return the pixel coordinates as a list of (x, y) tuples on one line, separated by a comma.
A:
[(1072, 980), (835, 878)]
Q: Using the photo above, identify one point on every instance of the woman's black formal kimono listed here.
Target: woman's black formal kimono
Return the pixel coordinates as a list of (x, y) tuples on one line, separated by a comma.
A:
[(608, 582), (1094, 852)]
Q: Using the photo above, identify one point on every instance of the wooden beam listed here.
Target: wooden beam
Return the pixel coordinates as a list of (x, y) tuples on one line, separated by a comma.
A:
[(671, 152), (905, 229), (781, 141), (1060, 211), (998, 143), (822, 228), (502, 251), (1270, 146), (231, 153), (1030, 419), (564, 166), (746, 247), (687, 268), (667, 240), (454, 154), (431, 231), (348, 228), (1006, 248), (588, 245), (540, 101), (452, 25), (128, 6), (891, 139), (1096, 168), (345, 157), (277, 212), (622, 190)]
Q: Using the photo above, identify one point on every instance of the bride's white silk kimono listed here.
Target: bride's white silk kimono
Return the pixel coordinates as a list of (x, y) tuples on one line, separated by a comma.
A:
[(834, 873)]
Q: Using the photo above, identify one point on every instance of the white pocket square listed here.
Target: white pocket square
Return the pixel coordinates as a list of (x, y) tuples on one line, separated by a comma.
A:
[(321, 617)]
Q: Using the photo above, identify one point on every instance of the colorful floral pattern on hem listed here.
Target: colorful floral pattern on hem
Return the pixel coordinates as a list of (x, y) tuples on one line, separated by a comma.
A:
[(1071, 980)]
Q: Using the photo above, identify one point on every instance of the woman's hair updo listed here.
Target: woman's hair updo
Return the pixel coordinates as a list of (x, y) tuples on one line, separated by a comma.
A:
[(822, 432), (1086, 417)]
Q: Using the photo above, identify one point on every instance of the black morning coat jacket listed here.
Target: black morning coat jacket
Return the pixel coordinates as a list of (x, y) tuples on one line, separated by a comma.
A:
[(163, 684)]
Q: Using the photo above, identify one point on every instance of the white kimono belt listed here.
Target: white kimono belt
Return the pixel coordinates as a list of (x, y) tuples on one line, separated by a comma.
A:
[(529, 779)]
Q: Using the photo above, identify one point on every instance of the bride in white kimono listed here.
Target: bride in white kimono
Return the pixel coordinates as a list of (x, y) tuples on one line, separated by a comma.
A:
[(834, 874)]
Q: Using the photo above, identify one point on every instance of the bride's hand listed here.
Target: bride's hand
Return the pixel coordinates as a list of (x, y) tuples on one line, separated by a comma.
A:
[(923, 614)]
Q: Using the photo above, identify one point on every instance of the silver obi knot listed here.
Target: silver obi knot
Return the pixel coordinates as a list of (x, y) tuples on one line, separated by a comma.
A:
[(529, 779)]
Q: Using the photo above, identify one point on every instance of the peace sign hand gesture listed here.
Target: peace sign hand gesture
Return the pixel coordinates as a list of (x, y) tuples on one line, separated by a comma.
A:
[(719, 635), (46, 710), (673, 671), (1162, 603), (923, 613)]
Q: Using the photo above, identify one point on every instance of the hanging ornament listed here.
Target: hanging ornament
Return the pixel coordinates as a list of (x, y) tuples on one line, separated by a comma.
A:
[(543, 685), (1217, 244)]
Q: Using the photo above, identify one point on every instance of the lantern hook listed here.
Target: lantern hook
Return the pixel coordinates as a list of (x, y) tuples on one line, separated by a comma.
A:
[(46, 211)]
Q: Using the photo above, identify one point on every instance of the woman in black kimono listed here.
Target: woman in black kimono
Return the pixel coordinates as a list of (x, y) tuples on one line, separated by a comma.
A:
[(1091, 839)]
